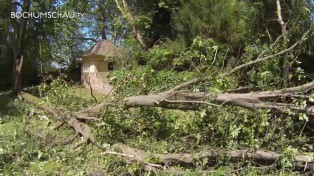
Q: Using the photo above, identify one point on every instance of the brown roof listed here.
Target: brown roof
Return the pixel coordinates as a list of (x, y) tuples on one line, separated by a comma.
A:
[(104, 48)]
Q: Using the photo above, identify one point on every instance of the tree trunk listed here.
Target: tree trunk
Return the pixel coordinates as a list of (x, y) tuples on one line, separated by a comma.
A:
[(130, 18), (17, 74), (19, 42), (284, 60), (102, 19)]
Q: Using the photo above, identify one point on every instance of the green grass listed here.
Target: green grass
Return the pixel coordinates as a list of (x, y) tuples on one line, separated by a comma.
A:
[(80, 91)]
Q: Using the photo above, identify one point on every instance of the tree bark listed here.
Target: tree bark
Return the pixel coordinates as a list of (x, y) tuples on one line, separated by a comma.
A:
[(283, 62), (262, 157), (102, 19), (19, 42), (17, 74), (251, 101)]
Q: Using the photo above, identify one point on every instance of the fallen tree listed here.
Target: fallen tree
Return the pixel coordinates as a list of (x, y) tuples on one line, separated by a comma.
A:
[(182, 95), (163, 161)]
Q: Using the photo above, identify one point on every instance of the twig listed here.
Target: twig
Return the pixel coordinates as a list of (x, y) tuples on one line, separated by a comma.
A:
[(91, 91), (270, 56), (261, 59)]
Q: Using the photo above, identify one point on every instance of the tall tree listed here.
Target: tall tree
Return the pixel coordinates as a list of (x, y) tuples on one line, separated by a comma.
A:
[(19, 28)]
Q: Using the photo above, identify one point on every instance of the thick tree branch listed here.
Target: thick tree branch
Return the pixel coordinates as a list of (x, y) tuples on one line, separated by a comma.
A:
[(259, 156), (252, 100)]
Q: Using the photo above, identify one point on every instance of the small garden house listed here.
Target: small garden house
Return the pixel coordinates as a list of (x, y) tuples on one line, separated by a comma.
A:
[(97, 63)]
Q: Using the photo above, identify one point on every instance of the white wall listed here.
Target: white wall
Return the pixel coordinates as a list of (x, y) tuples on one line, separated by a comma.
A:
[(90, 65), (96, 64)]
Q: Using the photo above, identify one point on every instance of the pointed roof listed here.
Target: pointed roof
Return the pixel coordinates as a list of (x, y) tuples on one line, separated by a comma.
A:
[(104, 48)]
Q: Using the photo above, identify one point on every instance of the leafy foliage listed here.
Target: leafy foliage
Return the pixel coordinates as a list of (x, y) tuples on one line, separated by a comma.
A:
[(210, 18), (64, 94), (145, 80)]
